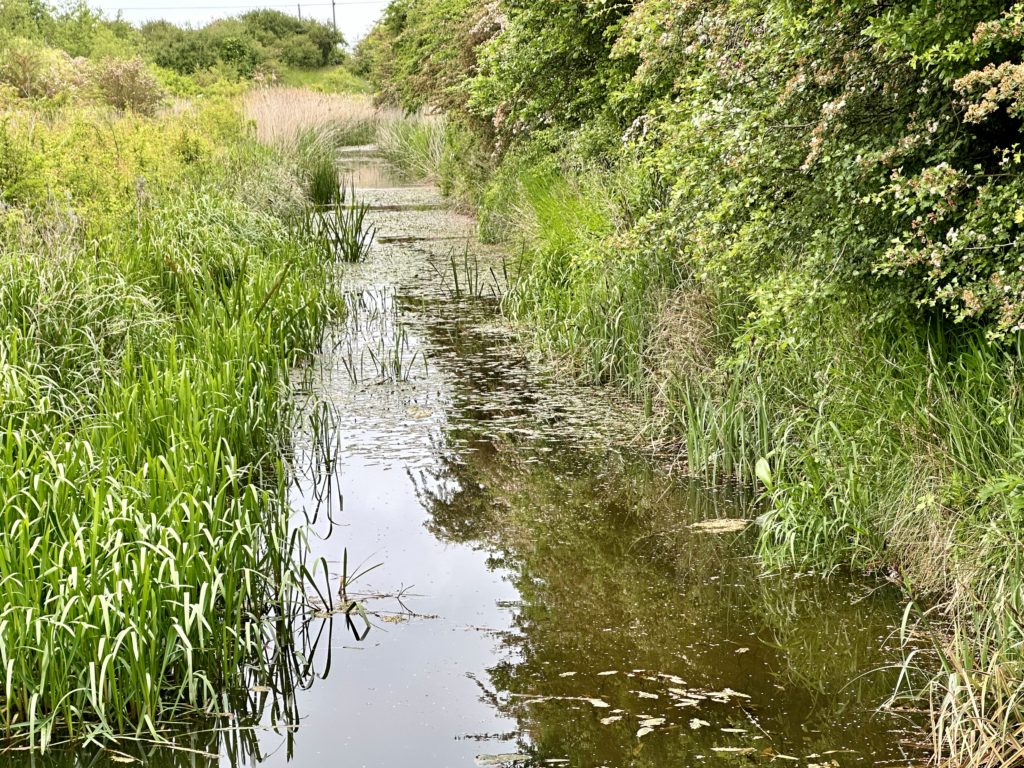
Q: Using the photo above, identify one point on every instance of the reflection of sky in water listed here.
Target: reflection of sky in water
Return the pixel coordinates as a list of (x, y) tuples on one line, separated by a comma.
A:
[(410, 691), (402, 697)]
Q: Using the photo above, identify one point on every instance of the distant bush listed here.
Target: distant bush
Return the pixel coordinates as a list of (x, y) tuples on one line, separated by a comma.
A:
[(181, 50), (38, 72), (263, 39), (127, 84), (301, 52)]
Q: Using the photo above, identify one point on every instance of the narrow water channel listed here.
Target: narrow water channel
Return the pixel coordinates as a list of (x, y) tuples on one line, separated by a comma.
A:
[(540, 595)]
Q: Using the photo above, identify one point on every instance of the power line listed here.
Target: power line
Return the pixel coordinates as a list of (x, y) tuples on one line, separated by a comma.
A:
[(257, 6)]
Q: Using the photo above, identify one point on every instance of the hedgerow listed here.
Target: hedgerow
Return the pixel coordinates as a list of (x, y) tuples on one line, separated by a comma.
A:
[(792, 229)]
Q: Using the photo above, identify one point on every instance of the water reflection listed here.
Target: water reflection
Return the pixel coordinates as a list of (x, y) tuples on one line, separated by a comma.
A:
[(622, 604), (542, 595)]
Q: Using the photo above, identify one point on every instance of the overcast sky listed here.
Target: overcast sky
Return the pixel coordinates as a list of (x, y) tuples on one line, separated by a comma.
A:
[(355, 17)]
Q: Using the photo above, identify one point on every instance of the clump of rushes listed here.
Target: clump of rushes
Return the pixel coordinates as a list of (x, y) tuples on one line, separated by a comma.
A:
[(338, 229), (415, 145), (145, 552), (322, 183)]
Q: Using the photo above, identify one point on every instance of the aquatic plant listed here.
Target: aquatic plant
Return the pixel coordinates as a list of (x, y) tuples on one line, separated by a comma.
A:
[(338, 228), (147, 556), (414, 144)]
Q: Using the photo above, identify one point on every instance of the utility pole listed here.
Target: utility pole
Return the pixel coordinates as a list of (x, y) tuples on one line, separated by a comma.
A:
[(334, 18), (300, 11)]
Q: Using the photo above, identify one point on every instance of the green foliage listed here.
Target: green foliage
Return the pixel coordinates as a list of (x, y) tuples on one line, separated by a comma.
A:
[(411, 64), (261, 39), (155, 294), (335, 79), (417, 146), (792, 229)]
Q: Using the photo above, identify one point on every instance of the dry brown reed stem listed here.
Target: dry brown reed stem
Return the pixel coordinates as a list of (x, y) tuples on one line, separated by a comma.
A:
[(282, 115)]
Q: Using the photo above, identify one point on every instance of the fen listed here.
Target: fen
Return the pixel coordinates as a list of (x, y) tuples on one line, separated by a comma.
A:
[(265, 391)]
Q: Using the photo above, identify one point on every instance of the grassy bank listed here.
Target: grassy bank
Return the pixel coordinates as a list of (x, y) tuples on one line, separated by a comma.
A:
[(162, 271), (792, 233)]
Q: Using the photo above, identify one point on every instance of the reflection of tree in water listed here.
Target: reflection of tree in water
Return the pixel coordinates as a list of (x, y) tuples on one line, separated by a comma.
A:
[(612, 580)]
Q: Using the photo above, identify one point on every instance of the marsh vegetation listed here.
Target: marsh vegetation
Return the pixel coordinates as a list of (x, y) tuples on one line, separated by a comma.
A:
[(773, 247), (163, 273)]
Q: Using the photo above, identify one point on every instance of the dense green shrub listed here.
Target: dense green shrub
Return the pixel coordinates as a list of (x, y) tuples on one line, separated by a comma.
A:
[(257, 39), (793, 230)]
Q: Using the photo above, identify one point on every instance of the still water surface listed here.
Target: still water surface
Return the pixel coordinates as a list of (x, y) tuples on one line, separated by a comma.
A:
[(540, 598)]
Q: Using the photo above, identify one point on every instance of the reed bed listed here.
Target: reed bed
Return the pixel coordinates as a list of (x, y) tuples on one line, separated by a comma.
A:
[(417, 145), (147, 564), (283, 116)]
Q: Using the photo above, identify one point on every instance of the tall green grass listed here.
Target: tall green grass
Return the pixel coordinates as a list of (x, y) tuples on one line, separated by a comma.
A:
[(145, 557), (416, 145)]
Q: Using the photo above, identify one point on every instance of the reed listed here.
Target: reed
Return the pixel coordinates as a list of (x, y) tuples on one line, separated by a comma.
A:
[(416, 145), (337, 228), (146, 559), (281, 116)]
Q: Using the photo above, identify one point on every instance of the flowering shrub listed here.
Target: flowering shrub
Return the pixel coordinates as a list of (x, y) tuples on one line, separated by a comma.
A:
[(128, 84), (34, 71)]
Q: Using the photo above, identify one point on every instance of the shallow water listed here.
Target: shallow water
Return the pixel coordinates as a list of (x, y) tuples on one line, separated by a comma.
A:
[(541, 598)]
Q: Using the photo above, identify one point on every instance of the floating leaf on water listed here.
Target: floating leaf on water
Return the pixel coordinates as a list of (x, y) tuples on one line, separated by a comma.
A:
[(722, 525), (829, 764), (652, 722), (742, 650), (610, 719), (696, 724), (672, 678), (731, 692), (643, 732), (259, 689), (500, 759), (608, 672), (600, 703), (646, 695), (725, 694), (734, 750), (121, 758), (417, 412), (567, 674), (733, 730)]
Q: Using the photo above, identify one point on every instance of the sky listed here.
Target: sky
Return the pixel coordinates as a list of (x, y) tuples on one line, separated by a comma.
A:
[(355, 17)]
